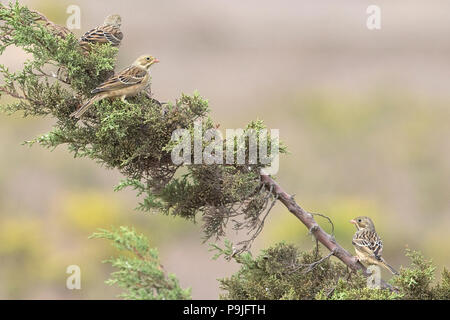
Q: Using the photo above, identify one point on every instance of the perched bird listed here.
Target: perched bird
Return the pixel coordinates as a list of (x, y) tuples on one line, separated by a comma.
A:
[(367, 243), (109, 32), (56, 29), (128, 82)]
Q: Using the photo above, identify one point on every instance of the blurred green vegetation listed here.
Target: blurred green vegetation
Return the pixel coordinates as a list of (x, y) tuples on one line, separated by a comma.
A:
[(48, 211)]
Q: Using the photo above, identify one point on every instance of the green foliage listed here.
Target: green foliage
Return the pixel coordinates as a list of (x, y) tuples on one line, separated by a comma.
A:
[(283, 272), (279, 273), (442, 291), (415, 282), (140, 273), (134, 137), (356, 290), (22, 28)]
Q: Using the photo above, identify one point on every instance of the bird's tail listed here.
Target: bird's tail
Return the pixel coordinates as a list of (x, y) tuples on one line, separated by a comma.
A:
[(85, 47), (387, 266), (78, 113)]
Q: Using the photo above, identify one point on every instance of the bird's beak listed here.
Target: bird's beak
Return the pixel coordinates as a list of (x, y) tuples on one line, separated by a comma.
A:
[(353, 221), (155, 61)]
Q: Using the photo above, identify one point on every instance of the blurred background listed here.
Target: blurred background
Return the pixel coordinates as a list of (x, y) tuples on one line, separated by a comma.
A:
[(365, 115)]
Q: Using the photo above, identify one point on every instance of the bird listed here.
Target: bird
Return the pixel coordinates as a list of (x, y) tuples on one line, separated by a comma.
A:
[(128, 82), (368, 245), (109, 32), (55, 29)]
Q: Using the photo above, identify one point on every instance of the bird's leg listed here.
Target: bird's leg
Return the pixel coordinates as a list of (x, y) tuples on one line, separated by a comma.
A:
[(148, 91), (123, 98)]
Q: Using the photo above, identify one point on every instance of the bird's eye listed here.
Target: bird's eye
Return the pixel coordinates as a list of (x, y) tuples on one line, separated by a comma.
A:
[(359, 220), (148, 58)]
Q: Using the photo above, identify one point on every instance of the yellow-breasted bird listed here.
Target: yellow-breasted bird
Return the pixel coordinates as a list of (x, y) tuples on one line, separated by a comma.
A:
[(109, 32), (128, 82), (367, 243)]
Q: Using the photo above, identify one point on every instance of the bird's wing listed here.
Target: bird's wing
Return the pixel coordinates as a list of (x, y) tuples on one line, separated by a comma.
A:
[(130, 76), (103, 34), (113, 35), (369, 242)]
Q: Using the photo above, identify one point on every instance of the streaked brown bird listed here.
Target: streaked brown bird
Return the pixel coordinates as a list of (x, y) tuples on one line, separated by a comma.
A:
[(128, 82), (367, 243), (109, 32), (56, 29)]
